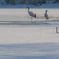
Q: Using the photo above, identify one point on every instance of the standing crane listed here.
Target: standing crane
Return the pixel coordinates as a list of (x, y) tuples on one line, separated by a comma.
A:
[(31, 13), (46, 15)]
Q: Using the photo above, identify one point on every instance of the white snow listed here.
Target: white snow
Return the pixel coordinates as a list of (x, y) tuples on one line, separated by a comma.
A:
[(22, 39), (29, 41), (19, 34), (22, 14)]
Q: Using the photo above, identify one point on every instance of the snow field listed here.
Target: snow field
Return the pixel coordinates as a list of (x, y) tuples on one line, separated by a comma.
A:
[(27, 34), (22, 14), (28, 41)]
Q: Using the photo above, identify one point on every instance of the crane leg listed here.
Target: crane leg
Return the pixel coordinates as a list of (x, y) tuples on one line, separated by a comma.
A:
[(33, 21), (31, 18)]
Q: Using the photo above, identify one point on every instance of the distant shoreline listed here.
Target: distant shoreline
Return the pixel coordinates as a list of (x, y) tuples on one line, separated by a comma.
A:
[(43, 6)]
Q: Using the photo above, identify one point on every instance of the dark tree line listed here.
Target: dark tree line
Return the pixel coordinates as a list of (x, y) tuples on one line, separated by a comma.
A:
[(34, 2), (10, 1)]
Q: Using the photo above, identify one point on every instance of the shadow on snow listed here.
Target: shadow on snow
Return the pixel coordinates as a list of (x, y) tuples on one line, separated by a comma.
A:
[(29, 51)]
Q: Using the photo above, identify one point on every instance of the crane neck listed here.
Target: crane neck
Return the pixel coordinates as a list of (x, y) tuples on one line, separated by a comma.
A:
[(46, 12), (28, 9)]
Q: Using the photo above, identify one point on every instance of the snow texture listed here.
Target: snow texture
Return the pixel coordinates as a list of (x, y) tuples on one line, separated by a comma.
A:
[(22, 39), (29, 51)]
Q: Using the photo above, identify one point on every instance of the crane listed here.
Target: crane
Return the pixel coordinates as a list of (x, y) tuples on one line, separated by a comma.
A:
[(46, 15), (31, 13)]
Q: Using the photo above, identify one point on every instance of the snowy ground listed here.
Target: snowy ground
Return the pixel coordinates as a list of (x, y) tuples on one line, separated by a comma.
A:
[(22, 14), (30, 51), (28, 40)]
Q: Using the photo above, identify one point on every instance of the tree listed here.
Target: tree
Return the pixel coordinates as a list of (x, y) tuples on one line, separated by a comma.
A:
[(7, 1), (10, 1), (57, 0)]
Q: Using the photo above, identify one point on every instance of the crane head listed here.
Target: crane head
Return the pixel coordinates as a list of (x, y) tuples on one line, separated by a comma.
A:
[(28, 8), (46, 10)]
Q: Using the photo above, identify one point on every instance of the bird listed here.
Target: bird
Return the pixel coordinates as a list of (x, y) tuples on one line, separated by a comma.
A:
[(31, 13), (46, 15)]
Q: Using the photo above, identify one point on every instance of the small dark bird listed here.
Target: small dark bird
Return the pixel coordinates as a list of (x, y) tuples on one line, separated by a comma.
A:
[(46, 15), (31, 13)]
